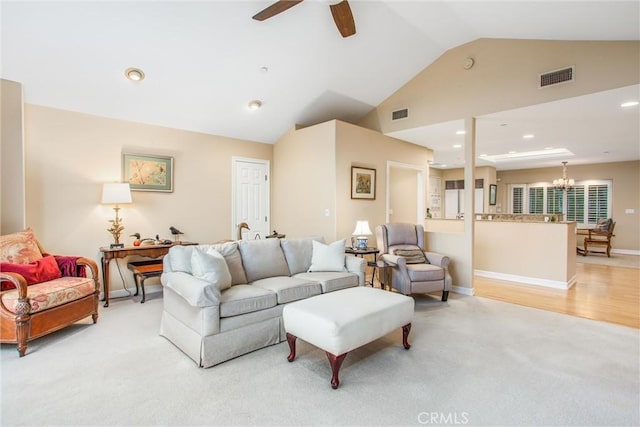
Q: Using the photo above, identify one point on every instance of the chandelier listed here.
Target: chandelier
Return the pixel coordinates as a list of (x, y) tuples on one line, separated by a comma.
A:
[(564, 183)]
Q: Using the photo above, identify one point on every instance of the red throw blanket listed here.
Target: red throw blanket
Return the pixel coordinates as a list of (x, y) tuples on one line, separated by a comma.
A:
[(69, 266)]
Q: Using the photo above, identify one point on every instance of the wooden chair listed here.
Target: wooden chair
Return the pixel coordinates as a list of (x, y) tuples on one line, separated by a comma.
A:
[(31, 310), (599, 238)]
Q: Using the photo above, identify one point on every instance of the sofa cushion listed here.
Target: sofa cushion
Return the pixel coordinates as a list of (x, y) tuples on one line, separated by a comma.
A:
[(211, 266), (232, 256), (42, 270), (52, 293), (20, 248), (424, 272), (298, 253), (242, 299), (330, 280), (263, 258), (180, 258), (328, 257), (289, 289)]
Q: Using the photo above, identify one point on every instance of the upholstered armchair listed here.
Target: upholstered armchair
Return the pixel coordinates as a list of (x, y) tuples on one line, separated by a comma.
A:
[(41, 293), (414, 270)]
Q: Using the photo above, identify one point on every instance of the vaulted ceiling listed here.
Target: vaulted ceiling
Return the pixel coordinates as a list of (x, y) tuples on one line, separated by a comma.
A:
[(204, 61)]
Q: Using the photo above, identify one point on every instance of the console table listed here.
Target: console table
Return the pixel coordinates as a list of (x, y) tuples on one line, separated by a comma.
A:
[(147, 251)]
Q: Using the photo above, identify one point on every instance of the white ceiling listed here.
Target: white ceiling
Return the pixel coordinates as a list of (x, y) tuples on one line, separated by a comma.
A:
[(203, 61)]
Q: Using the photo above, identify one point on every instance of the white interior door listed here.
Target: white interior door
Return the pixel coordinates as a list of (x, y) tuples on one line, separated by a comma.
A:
[(251, 197)]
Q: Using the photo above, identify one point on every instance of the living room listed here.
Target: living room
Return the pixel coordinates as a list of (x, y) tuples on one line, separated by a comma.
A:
[(69, 154)]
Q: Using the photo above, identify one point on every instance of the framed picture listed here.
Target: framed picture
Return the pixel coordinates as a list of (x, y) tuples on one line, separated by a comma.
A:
[(147, 172), (492, 194), (363, 183)]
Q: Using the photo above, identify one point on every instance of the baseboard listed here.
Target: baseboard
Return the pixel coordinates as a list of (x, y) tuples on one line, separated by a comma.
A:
[(626, 252), (462, 290), (556, 284)]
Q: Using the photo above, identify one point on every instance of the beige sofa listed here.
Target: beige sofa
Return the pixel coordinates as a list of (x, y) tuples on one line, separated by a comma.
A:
[(212, 325)]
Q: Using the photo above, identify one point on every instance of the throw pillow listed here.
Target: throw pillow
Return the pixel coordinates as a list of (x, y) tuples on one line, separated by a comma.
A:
[(42, 270), (328, 257), (20, 248), (211, 267), (413, 256)]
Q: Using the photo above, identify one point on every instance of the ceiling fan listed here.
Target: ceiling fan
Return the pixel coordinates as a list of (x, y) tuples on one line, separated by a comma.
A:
[(341, 13)]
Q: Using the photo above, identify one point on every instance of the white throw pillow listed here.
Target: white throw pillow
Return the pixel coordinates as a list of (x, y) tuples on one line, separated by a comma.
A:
[(328, 257), (211, 267)]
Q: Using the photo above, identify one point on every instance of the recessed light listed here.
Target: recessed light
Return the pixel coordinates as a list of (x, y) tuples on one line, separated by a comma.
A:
[(483, 155), (134, 74), (548, 148), (264, 69), (528, 136), (461, 132), (457, 145), (512, 152), (255, 104), (444, 166), (629, 104)]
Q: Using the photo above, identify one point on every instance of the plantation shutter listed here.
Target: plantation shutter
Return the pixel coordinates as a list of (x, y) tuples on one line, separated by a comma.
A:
[(598, 202), (554, 200), (536, 200), (575, 201), (517, 200)]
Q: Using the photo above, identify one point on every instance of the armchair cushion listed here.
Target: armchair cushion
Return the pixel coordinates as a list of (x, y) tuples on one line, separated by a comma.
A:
[(413, 256), (42, 270), (424, 272), (20, 248), (52, 293)]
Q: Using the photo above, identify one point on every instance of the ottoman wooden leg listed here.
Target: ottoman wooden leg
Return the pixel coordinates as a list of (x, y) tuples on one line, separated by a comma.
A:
[(405, 334), (291, 339), (335, 362)]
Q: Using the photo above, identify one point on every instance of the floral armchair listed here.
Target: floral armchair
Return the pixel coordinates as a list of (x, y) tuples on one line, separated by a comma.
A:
[(41, 293)]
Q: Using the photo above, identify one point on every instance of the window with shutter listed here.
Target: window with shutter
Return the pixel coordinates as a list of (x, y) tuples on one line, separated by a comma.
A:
[(536, 200), (575, 204), (598, 202), (555, 200), (517, 199)]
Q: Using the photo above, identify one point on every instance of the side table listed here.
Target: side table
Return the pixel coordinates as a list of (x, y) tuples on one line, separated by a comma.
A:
[(375, 264)]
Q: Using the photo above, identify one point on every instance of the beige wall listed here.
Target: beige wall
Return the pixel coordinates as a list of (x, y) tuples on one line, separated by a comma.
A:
[(70, 155), (304, 182), (626, 181), (358, 146), (403, 187), (505, 76), (312, 173), (12, 185)]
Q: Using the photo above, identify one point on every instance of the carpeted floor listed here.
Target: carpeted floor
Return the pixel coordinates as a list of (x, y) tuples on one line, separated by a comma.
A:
[(473, 361)]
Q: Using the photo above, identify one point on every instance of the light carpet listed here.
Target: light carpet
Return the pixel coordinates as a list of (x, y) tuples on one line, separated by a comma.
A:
[(473, 361)]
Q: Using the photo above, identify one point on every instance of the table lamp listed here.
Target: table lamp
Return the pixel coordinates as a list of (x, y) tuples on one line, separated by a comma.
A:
[(115, 194), (362, 231)]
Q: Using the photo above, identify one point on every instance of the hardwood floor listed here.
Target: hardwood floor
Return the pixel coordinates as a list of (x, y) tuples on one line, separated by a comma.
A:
[(606, 293)]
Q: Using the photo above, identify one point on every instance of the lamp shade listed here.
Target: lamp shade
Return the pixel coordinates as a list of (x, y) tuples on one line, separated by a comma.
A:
[(362, 229), (116, 193)]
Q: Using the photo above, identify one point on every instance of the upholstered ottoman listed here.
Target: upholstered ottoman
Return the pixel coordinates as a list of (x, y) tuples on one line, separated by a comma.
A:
[(344, 320)]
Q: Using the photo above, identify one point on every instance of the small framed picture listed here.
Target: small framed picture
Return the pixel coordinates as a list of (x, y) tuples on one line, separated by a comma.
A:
[(363, 183), (492, 194), (146, 172)]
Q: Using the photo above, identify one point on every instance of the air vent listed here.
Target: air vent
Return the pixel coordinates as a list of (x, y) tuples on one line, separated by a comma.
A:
[(551, 78), (400, 114)]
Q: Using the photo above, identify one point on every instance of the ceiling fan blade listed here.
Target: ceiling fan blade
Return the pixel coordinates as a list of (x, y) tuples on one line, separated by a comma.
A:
[(343, 18), (274, 9)]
